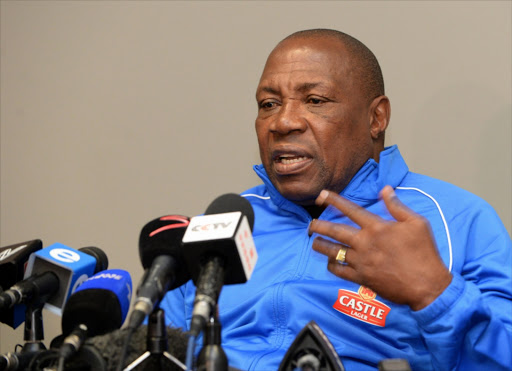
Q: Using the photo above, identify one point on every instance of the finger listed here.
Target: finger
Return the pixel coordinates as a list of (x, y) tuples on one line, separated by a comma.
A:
[(396, 208), (343, 271), (339, 232), (327, 247), (353, 211)]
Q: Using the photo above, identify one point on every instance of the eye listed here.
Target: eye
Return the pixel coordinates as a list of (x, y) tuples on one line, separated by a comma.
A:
[(267, 104), (315, 100)]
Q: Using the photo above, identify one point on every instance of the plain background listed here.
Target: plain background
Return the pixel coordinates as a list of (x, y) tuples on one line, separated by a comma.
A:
[(114, 113)]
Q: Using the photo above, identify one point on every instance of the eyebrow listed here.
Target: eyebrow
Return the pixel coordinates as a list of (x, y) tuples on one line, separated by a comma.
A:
[(308, 86), (301, 88), (267, 89)]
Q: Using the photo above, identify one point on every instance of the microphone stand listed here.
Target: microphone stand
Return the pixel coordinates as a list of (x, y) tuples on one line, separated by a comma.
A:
[(33, 336), (156, 343), (34, 332), (212, 357)]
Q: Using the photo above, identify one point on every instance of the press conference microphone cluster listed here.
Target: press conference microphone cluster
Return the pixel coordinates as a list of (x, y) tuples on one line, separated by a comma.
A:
[(99, 306), (218, 249), (52, 274), (174, 249)]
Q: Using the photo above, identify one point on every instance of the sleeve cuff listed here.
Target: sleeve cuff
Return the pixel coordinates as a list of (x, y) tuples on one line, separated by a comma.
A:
[(443, 302)]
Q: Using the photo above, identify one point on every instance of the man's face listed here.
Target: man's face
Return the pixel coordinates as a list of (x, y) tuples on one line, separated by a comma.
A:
[(313, 123)]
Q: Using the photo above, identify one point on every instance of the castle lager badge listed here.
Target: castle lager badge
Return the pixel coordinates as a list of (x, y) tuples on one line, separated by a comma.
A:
[(362, 306)]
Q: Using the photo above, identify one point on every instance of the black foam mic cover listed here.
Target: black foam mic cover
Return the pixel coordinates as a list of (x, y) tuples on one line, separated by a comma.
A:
[(231, 202), (162, 237), (110, 345), (99, 255), (97, 309)]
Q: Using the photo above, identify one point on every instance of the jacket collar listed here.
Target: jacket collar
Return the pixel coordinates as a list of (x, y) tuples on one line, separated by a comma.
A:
[(364, 186)]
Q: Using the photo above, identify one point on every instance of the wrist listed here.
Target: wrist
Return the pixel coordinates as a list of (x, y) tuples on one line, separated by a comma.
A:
[(432, 292)]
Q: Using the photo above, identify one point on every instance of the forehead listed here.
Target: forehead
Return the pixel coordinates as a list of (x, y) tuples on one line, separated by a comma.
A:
[(307, 61)]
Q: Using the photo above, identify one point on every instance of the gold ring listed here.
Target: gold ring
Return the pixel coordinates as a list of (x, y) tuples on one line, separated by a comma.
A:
[(341, 255)]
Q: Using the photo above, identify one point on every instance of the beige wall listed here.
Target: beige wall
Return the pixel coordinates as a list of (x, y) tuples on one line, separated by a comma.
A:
[(114, 113)]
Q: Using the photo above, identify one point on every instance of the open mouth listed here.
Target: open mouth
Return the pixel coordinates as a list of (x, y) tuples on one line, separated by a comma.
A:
[(290, 163), (290, 159)]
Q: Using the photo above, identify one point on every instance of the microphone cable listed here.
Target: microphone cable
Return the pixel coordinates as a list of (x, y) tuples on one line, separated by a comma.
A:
[(191, 347), (43, 360), (124, 350), (71, 344)]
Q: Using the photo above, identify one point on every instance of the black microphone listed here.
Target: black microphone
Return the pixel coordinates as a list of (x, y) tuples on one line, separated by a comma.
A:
[(37, 287), (52, 274), (218, 249), (162, 257), (98, 306), (17, 361), (13, 260)]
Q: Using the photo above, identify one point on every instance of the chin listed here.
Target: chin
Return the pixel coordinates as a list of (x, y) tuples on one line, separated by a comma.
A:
[(299, 196), (300, 190)]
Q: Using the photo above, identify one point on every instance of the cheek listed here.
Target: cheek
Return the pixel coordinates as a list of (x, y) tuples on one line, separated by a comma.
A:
[(343, 148), (262, 137), (259, 130), (261, 127)]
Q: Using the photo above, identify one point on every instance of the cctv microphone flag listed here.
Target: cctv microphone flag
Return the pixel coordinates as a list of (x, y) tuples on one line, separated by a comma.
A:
[(226, 229), (71, 266)]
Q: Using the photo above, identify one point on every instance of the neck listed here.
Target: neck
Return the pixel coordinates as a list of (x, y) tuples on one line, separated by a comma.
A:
[(314, 210)]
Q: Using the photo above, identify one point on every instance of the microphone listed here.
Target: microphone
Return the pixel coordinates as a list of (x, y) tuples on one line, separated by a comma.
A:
[(162, 257), (13, 259), (98, 306), (17, 361), (218, 249), (52, 274), (100, 353)]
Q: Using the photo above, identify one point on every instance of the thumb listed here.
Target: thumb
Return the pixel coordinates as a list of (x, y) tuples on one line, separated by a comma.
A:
[(395, 207)]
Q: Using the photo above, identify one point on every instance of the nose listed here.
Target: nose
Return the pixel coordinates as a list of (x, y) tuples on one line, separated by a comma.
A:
[(289, 119)]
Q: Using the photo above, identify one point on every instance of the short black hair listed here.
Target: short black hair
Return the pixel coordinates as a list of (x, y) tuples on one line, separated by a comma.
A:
[(369, 70)]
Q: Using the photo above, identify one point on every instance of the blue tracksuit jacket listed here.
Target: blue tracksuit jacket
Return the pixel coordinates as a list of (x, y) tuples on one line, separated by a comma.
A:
[(468, 327)]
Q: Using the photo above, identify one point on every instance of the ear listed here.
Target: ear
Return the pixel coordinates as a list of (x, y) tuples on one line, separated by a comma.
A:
[(380, 111)]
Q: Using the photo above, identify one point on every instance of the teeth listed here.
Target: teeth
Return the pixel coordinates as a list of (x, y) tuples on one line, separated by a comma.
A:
[(288, 161)]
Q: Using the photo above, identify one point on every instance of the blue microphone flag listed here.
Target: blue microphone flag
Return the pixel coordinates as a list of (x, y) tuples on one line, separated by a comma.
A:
[(117, 281), (71, 266)]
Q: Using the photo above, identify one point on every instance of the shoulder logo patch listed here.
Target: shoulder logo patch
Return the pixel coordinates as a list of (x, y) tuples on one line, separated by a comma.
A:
[(362, 306)]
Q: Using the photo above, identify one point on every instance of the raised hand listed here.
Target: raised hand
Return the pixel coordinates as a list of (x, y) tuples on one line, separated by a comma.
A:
[(396, 259)]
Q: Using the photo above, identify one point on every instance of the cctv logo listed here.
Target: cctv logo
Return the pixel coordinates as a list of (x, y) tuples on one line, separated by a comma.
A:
[(66, 256), (207, 227), (214, 226)]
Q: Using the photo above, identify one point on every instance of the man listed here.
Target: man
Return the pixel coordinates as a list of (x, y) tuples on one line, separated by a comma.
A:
[(416, 268)]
